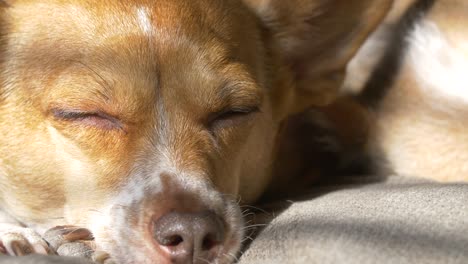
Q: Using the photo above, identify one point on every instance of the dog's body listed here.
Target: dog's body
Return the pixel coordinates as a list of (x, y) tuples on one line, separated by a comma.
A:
[(417, 90), (144, 121)]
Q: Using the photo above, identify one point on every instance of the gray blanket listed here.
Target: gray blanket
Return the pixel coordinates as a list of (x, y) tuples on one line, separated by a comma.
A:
[(401, 220)]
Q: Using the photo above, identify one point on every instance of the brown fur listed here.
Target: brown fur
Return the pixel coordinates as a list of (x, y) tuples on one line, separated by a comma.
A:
[(414, 131), (150, 93)]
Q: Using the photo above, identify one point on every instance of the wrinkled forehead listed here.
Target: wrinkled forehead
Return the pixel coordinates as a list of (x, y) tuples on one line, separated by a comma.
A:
[(138, 39), (105, 19)]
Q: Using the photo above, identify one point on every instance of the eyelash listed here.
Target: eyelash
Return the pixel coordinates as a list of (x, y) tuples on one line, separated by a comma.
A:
[(225, 118), (218, 118), (97, 119)]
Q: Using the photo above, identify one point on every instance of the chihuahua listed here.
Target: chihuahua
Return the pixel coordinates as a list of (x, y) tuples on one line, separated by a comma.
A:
[(138, 127)]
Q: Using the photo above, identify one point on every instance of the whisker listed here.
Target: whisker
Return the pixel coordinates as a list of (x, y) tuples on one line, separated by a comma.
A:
[(247, 238), (248, 222), (246, 210), (230, 256), (253, 226), (204, 260), (254, 207), (249, 214)]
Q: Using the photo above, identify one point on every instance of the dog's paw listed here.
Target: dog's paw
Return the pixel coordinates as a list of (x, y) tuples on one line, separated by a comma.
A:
[(61, 235), (21, 241), (72, 241)]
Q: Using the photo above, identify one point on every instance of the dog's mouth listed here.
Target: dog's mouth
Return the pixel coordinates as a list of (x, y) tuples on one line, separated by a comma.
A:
[(174, 225)]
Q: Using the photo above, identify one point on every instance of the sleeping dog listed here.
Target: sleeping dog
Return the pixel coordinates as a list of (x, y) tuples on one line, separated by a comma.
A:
[(137, 127)]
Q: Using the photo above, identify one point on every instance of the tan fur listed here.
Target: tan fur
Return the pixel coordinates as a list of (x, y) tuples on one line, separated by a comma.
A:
[(417, 130), (317, 38), (418, 140), (155, 88)]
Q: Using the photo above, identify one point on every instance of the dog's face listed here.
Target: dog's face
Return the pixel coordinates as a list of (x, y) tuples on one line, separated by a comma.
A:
[(126, 117)]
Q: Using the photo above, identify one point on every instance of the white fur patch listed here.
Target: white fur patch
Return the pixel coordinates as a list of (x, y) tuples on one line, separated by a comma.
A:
[(360, 68), (144, 20), (439, 66), (78, 174)]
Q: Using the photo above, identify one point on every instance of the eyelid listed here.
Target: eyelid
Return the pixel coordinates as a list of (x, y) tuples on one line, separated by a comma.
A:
[(229, 117), (79, 115), (70, 114), (240, 110), (234, 110), (76, 114)]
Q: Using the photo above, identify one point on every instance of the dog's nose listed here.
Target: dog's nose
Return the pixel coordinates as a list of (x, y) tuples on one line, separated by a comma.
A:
[(190, 237)]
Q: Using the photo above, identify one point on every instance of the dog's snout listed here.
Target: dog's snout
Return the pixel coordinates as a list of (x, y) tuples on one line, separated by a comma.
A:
[(190, 237)]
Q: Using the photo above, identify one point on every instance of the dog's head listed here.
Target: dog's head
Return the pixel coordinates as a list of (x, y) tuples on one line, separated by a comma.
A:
[(146, 121)]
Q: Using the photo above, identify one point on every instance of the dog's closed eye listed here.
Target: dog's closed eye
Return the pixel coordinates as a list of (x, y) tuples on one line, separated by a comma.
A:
[(96, 119), (230, 117)]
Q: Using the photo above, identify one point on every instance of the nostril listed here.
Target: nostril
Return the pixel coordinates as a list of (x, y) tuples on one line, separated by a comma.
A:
[(209, 242), (172, 241), (210, 231)]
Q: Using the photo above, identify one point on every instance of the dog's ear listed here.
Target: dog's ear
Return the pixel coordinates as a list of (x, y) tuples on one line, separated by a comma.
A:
[(317, 38)]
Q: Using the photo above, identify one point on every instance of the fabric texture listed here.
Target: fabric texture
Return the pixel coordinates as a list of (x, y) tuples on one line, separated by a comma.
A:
[(400, 220)]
